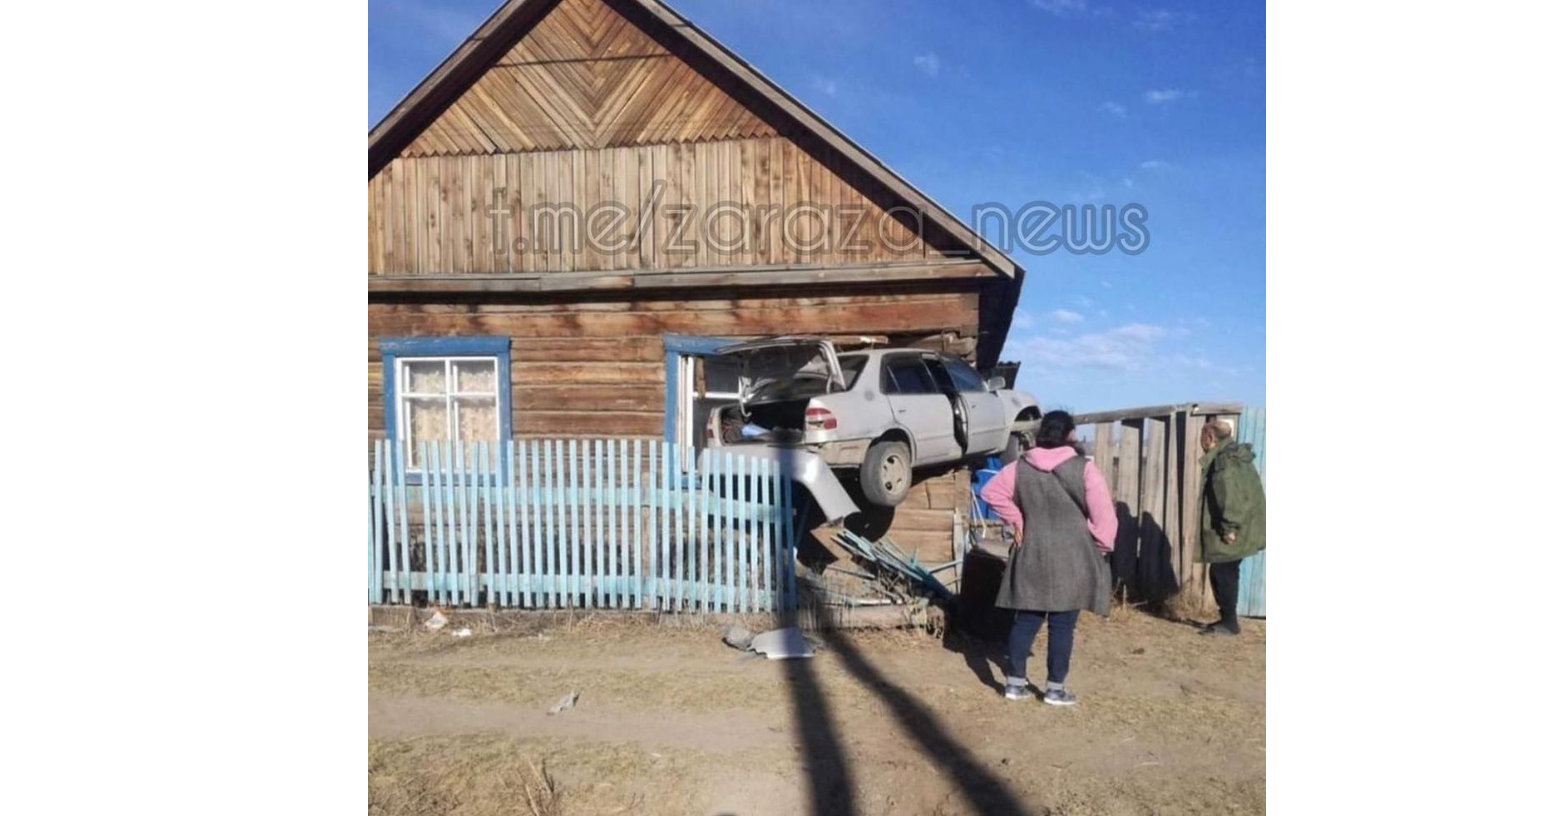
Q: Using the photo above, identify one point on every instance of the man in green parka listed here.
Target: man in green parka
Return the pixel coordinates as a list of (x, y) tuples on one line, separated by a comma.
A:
[(1231, 517)]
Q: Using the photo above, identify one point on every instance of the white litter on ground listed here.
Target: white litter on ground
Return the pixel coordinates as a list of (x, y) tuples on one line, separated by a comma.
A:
[(780, 644), (564, 704)]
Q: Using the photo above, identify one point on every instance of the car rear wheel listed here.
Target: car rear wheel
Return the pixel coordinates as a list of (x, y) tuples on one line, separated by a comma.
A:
[(885, 473)]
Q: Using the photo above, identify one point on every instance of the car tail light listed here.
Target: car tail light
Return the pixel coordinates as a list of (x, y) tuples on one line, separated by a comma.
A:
[(819, 419), (711, 433)]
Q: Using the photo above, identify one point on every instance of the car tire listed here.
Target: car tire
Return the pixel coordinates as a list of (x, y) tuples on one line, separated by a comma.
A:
[(886, 474), (1014, 449)]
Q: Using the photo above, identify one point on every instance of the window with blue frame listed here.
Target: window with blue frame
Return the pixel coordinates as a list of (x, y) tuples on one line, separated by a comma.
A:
[(445, 389)]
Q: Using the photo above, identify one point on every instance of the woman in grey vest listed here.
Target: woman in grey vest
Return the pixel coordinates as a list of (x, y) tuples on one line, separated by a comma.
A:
[(1059, 505)]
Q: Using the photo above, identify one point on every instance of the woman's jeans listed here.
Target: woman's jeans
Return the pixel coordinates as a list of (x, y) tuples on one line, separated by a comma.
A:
[(1025, 626)]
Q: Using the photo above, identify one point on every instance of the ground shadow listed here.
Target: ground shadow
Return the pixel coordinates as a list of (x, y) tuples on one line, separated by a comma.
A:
[(823, 755), (985, 792), (1158, 582)]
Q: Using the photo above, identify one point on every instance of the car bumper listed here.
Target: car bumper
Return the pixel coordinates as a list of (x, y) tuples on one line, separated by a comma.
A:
[(804, 467)]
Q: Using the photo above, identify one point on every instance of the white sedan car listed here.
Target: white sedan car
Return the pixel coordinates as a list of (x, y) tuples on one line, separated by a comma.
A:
[(880, 411)]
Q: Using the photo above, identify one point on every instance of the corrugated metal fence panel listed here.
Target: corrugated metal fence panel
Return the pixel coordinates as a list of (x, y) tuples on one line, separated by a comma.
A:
[(1251, 594), (579, 523)]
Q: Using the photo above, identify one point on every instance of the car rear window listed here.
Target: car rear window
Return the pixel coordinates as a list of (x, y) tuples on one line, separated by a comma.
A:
[(851, 367)]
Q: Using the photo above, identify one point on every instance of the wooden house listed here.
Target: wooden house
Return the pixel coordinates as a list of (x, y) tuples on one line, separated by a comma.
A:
[(588, 196)]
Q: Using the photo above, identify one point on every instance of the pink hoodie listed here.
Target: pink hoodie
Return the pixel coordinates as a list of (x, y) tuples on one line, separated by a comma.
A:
[(998, 494)]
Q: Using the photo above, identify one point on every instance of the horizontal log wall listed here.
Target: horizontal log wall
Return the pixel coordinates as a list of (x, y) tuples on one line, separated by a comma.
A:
[(597, 368)]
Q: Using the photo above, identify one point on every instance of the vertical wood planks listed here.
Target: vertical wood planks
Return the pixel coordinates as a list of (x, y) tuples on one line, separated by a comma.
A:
[(376, 530), (584, 593), (502, 458), (1103, 449), (755, 527), (655, 518), (426, 493), (485, 495), (635, 549), (522, 495), (456, 496), (547, 523), (788, 545), (441, 547), (742, 539), (700, 534), (1153, 497), (543, 520), (610, 523), (404, 559), (560, 501), (1171, 524)]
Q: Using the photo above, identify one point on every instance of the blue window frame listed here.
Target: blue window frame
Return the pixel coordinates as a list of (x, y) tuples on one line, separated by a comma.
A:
[(674, 346), (397, 352)]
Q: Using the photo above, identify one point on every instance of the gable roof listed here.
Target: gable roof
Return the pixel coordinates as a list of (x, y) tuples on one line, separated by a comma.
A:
[(514, 18)]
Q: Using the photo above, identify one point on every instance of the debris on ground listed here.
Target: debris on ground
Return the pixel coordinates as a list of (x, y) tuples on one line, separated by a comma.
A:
[(780, 644), (737, 636), (885, 558), (564, 704), (463, 632), (436, 621)]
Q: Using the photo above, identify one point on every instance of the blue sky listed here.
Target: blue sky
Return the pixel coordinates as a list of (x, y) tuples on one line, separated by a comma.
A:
[(1014, 101)]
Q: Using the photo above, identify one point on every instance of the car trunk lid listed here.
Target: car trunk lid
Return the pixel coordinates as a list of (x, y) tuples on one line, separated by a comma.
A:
[(785, 369)]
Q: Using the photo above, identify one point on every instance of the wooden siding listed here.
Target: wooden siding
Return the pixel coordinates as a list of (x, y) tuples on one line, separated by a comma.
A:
[(584, 368), (767, 202), (586, 77)]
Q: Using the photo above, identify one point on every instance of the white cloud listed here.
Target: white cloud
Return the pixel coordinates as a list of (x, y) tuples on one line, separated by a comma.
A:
[(1155, 21), (1155, 164), (1103, 313), (1114, 109), (1064, 8), (1129, 183), (824, 85), (1106, 284), (1065, 316), (929, 64), (1157, 97), (1083, 301), (1129, 348)]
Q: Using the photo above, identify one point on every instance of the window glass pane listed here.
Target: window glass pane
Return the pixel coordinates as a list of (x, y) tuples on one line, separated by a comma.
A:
[(964, 377), (851, 368), (910, 377), (423, 376), (478, 419), (426, 420), (478, 376)]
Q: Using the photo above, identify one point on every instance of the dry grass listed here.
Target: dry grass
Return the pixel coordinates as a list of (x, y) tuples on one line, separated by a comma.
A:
[(497, 775), (541, 796)]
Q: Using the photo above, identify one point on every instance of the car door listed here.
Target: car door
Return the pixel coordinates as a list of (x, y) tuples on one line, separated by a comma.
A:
[(987, 416), (920, 406)]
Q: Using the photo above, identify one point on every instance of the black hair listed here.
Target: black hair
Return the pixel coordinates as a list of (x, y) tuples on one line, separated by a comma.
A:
[(1055, 430)]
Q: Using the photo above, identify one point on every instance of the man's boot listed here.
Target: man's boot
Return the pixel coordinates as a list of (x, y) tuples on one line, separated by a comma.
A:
[(1227, 625)]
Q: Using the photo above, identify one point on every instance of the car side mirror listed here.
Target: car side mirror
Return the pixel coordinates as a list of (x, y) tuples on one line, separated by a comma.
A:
[(995, 383)]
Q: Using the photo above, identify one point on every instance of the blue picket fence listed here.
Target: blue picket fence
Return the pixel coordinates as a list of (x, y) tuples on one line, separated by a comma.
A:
[(580, 523), (1251, 578)]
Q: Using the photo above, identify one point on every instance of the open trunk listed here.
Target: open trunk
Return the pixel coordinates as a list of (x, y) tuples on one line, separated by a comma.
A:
[(776, 381), (774, 422)]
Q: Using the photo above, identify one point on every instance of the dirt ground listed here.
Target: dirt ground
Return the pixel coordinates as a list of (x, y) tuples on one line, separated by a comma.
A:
[(671, 721)]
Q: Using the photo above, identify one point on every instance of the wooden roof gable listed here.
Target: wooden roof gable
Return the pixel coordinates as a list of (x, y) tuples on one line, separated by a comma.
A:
[(565, 74)]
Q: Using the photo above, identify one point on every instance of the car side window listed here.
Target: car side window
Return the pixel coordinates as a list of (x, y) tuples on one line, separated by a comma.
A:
[(909, 376), (964, 377), (940, 376)]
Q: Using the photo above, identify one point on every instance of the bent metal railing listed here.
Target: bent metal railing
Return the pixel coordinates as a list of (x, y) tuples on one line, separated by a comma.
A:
[(579, 523)]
